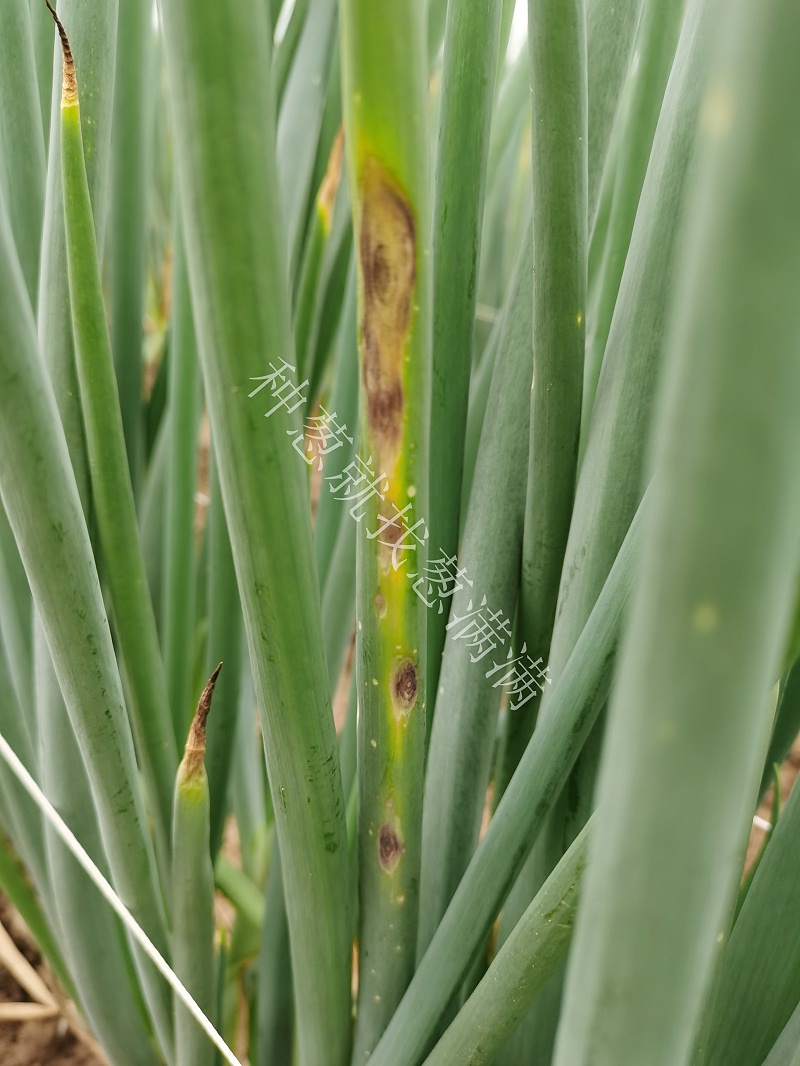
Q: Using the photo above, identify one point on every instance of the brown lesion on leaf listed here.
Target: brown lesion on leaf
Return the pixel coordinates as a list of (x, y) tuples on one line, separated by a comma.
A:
[(69, 85), (404, 685), (387, 253), (390, 848), (391, 532)]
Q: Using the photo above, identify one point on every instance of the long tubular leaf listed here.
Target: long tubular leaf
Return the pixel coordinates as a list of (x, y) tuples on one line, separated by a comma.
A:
[(577, 696), (224, 642), (151, 516), (94, 946), (758, 984), (557, 37), (610, 482), (286, 47), (332, 513), (70, 788), (16, 627), (41, 499), (498, 242), (518, 205), (300, 119), (687, 726), (348, 737), (248, 787), (310, 275), (384, 90), (22, 159), (193, 891), (236, 253), (112, 492), (478, 399), (331, 125), (610, 30), (336, 267), (93, 29), (178, 604), (339, 600), (459, 759), (537, 945), (640, 107), (130, 159), (274, 1041), (468, 81), (509, 113)]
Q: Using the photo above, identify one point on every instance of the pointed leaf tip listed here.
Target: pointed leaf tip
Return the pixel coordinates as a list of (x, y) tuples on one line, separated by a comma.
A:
[(195, 750)]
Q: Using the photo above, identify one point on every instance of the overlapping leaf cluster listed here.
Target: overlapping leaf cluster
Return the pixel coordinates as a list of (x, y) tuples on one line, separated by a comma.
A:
[(509, 658)]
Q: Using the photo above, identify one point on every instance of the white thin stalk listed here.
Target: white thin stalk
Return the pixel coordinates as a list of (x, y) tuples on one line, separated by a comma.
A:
[(105, 889)]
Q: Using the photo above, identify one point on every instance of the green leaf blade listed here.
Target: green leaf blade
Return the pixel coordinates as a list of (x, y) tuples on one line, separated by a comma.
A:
[(689, 722)]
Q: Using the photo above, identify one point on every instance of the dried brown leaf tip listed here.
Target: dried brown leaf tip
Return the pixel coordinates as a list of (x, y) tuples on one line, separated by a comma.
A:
[(69, 85), (195, 750)]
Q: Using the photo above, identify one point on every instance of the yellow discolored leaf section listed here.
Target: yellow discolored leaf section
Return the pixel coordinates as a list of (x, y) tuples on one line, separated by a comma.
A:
[(387, 253)]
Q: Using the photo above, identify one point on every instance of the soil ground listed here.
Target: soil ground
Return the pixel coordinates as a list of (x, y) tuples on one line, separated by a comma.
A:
[(36, 1043)]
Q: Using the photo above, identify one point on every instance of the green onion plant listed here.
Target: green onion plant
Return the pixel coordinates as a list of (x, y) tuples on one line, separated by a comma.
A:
[(435, 368)]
